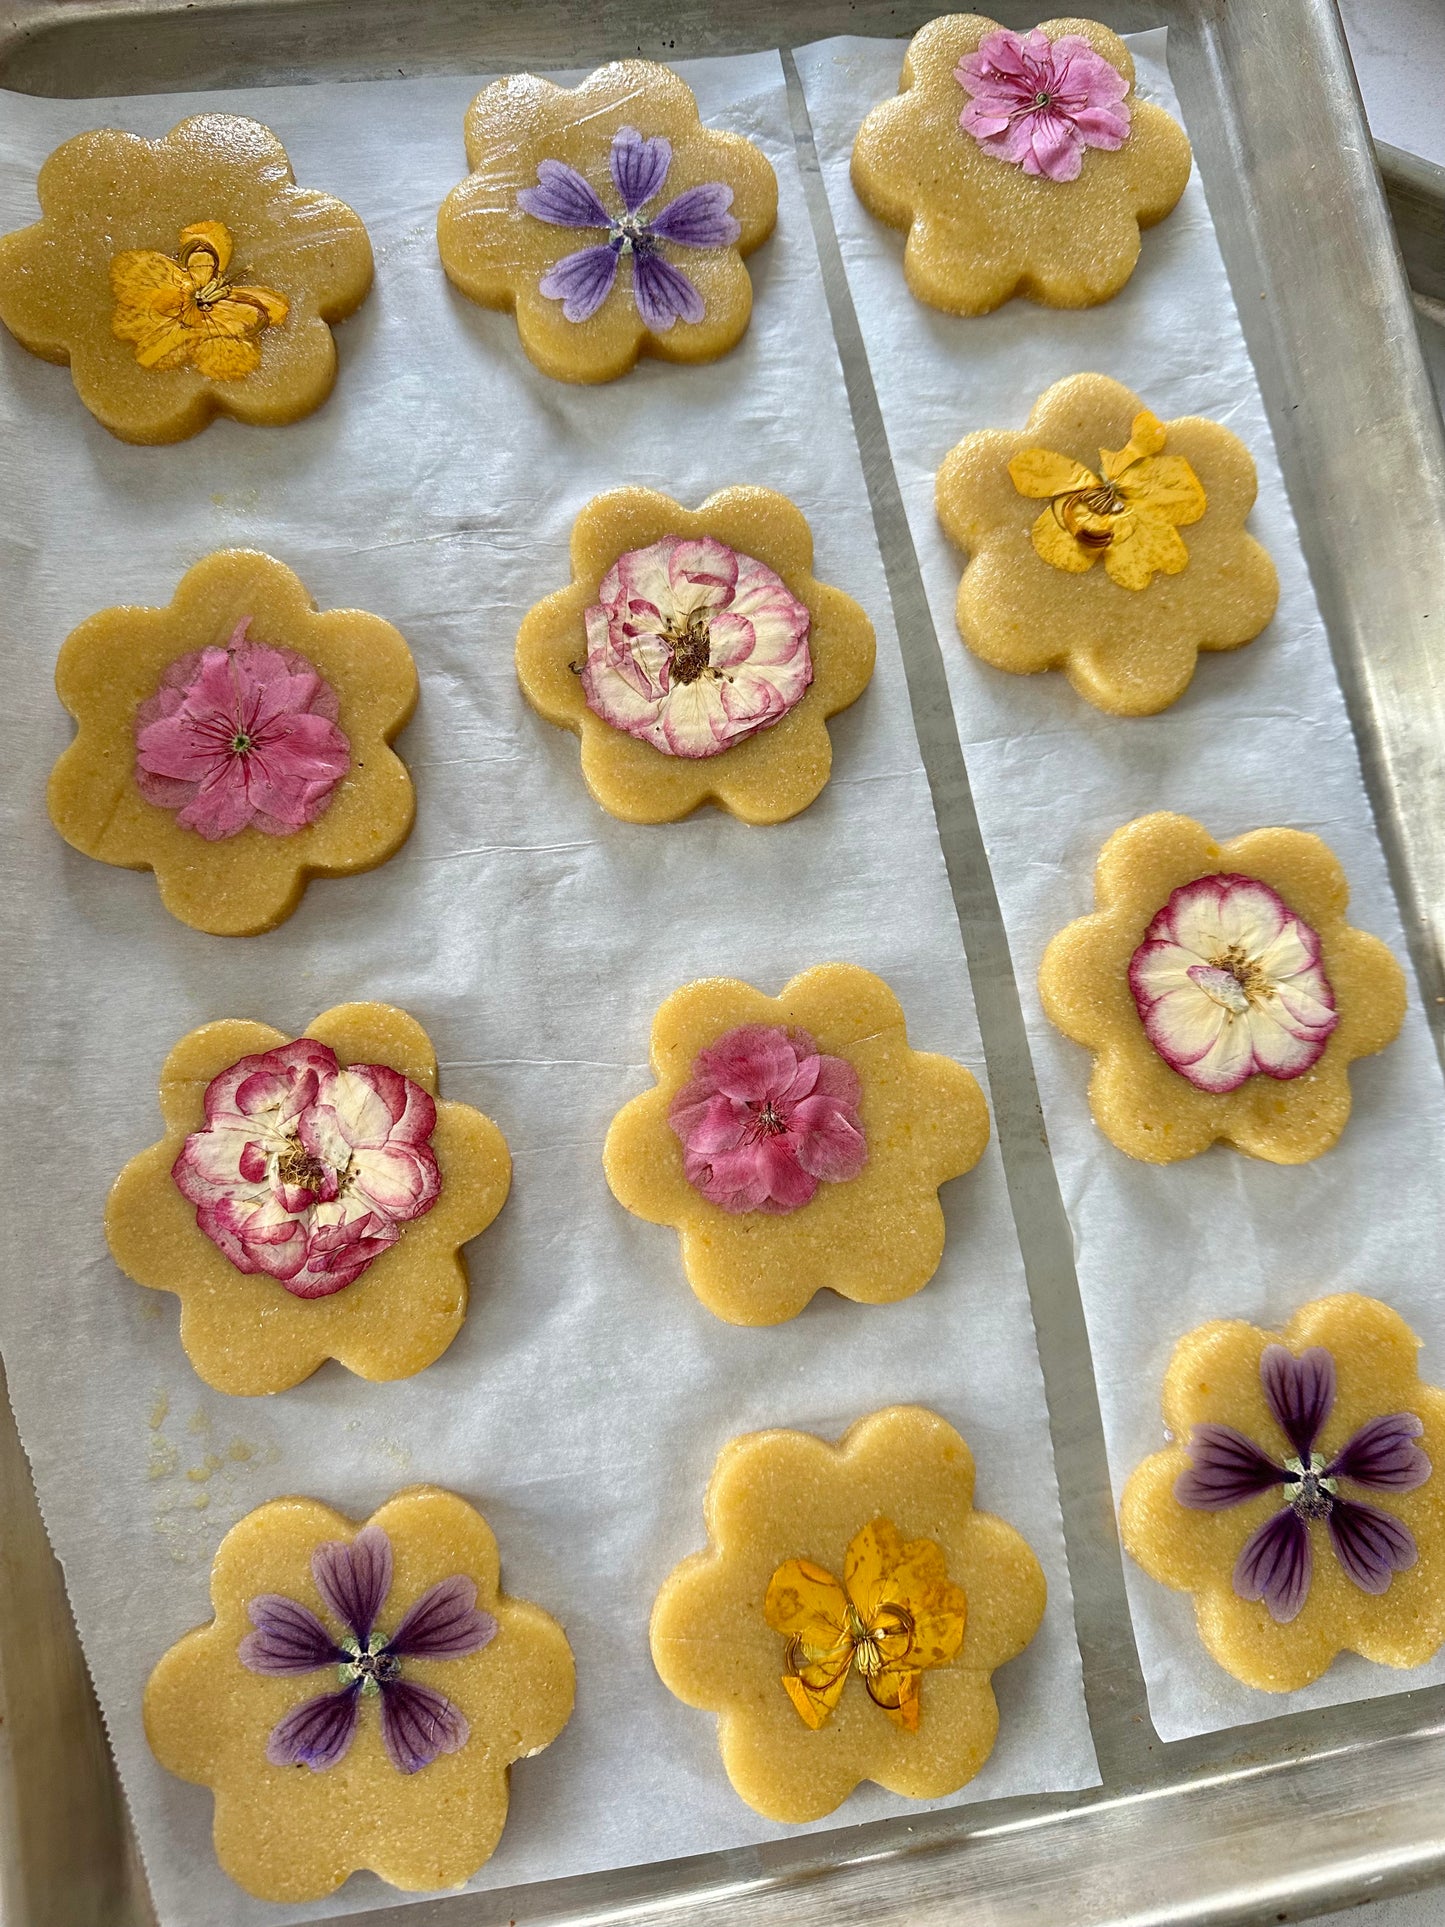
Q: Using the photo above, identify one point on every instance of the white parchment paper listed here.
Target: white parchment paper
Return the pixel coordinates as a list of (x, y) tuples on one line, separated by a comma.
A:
[(588, 1394), (1260, 738)]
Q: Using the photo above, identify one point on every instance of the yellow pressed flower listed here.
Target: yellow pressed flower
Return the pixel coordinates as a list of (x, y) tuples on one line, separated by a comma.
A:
[(895, 1614), (1129, 513), (183, 309)]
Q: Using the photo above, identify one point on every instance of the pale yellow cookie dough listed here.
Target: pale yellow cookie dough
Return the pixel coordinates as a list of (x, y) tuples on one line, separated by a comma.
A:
[(778, 1497), (497, 254), (1140, 1103), (1214, 1378), (874, 1238), (244, 1332), (164, 326), (287, 1833), (767, 777), (981, 230), (1131, 651), (248, 882)]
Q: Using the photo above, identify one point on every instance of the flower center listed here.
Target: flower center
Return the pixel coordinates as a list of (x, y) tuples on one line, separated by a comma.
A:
[(1041, 99), (766, 1122), (1240, 982), (691, 648), (371, 1664), (629, 235), (297, 1166), (1078, 511), (1307, 1490), (241, 743), (891, 1623)]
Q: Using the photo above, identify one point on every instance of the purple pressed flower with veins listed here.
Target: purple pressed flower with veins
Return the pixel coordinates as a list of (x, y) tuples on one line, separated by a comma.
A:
[(696, 218), (417, 1722), (1228, 1469)]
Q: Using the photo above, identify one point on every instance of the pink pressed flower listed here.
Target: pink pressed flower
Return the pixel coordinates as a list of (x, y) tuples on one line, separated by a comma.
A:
[(694, 647), (307, 1171), (765, 1117), (241, 735), (1039, 103), (1230, 982)]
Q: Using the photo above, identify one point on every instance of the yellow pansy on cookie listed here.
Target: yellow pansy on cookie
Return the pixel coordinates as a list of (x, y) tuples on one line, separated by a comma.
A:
[(696, 655), (1018, 163), (309, 1200), (1106, 543), (1303, 1502), (608, 219), (1222, 992), (235, 742), (848, 1614), (796, 1142), (360, 1695), (184, 278)]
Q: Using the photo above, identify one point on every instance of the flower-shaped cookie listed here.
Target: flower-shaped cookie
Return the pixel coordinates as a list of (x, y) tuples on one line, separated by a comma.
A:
[(309, 1199), (1018, 164), (696, 655), (847, 1615), (608, 219), (235, 742), (795, 1142), (1303, 1503), (1099, 581), (1221, 991), (184, 278), (360, 1695)]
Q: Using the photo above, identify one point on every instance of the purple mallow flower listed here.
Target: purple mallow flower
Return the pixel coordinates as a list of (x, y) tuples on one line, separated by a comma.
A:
[(417, 1722), (1227, 1469), (697, 218)]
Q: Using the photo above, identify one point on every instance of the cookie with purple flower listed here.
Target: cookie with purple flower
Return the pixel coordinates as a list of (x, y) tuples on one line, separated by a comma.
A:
[(1018, 164), (796, 1143), (309, 1200), (608, 219), (237, 742), (696, 655), (1303, 1500), (360, 1695), (1221, 991)]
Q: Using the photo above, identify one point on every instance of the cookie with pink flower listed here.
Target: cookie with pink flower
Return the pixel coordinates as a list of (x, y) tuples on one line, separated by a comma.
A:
[(696, 655), (1222, 992), (1302, 1501), (608, 219), (1018, 163), (236, 742), (796, 1143), (309, 1199)]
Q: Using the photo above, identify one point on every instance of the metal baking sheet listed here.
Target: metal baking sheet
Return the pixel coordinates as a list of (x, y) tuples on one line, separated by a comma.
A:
[(1307, 1811)]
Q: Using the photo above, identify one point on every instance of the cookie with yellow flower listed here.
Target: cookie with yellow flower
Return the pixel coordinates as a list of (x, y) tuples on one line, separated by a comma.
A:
[(1106, 543), (310, 1199), (848, 1613), (1221, 991), (1302, 1502), (696, 655), (796, 1143), (184, 278), (1018, 163), (236, 742), (360, 1696)]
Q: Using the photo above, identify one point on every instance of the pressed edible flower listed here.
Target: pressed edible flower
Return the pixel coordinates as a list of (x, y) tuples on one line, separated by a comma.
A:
[(766, 1117), (1228, 1469), (1039, 103), (696, 218), (241, 736), (1129, 513), (1229, 982), (694, 647), (894, 1615), (307, 1171), (417, 1722), (183, 309)]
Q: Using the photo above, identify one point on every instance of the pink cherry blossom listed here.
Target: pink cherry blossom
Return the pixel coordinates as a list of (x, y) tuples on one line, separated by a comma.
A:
[(1039, 103), (765, 1117), (241, 735), (694, 647), (308, 1171), (1230, 982)]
